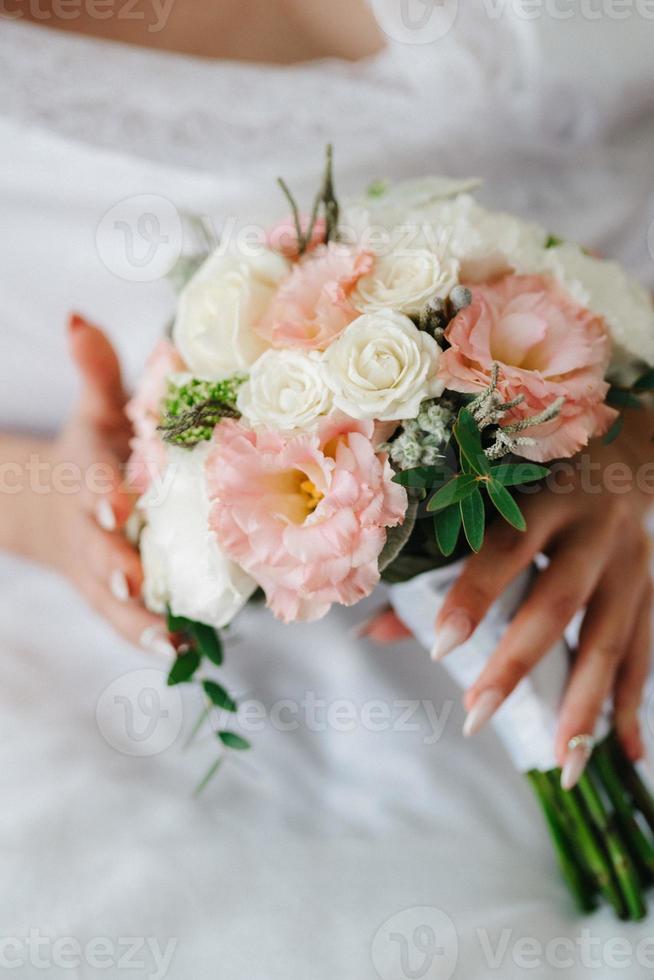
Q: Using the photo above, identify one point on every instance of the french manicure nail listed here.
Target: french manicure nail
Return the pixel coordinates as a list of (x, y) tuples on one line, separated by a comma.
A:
[(104, 515), (484, 708), (155, 640), (119, 585), (454, 631), (580, 749)]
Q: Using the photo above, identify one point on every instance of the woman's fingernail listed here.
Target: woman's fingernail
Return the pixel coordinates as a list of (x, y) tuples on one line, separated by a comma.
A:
[(104, 515), (75, 322), (454, 631), (155, 640), (580, 749), (484, 708), (119, 585)]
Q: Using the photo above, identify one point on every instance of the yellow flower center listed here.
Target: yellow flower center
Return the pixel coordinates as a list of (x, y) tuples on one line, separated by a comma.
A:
[(311, 493)]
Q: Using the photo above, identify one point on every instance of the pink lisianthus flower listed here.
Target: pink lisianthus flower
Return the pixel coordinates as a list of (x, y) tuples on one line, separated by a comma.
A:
[(546, 346), (148, 456), (312, 305), (305, 516), (282, 237)]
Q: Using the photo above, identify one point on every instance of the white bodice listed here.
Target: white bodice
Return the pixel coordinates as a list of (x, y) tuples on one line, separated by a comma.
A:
[(556, 115)]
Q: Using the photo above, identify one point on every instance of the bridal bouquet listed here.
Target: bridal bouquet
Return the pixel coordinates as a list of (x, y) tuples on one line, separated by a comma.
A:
[(355, 396)]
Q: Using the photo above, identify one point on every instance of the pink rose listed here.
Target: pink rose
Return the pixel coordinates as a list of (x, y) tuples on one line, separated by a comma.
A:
[(305, 516), (546, 346), (282, 237), (312, 306), (148, 451)]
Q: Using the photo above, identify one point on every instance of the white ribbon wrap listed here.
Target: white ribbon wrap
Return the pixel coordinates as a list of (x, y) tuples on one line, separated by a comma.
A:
[(526, 722)]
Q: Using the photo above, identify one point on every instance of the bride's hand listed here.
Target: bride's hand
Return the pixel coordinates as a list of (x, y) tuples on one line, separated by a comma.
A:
[(598, 549), (82, 532)]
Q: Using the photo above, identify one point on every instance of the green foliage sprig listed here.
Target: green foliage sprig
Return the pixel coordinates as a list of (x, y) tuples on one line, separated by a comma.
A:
[(325, 199), (458, 500), (197, 643), (192, 410), (628, 396)]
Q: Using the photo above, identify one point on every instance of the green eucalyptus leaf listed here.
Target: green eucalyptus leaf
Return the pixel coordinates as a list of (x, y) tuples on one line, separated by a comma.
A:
[(184, 667), (553, 241), (233, 741), (474, 519), (614, 431), (467, 434), (447, 525), (645, 382), (423, 477), (622, 398), (506, 505), (208, 642), (515, 474), (458, 488), (219, 696), (177, 624)]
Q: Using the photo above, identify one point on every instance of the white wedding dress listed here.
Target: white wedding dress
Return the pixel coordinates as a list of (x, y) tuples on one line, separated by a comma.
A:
[(361, 820)]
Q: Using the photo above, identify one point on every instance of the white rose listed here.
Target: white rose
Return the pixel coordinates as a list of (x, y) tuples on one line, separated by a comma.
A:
[(605, 288), (382, 367), (286, 390), (183, 566), (395, 204), (219, 307), (486, 243), (405, 280)]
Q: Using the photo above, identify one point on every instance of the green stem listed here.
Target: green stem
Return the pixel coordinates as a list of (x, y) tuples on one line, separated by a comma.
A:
[(621, 862), (641, 795), (209, 776), (641, 848), (574, 875), (590, 848)]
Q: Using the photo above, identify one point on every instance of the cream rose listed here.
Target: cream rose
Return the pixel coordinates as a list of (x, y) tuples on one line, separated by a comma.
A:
[(286, 390), (382, 367), (405, 280), (605, 288), (219, 307), (183, 566)]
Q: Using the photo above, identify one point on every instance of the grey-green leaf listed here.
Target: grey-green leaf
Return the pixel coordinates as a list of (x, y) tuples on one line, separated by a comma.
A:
[(184, 667), (506, 505), (397, 537), (233, 741), (219, 696), (458, 488), (474, 519), (447, 525)]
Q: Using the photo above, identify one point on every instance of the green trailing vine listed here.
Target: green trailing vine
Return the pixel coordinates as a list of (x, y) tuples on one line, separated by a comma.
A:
[(197, 644)]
